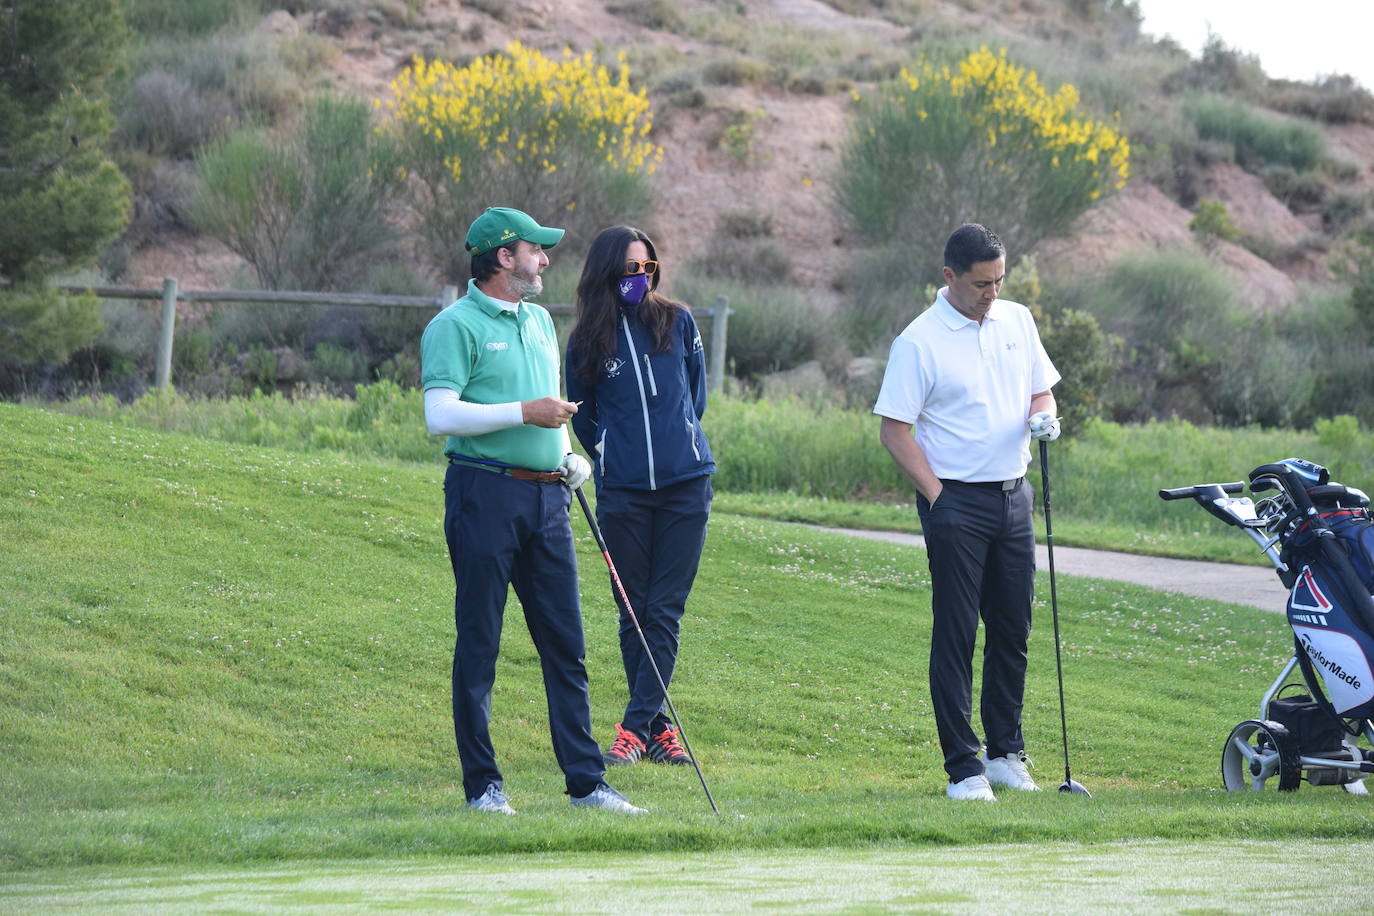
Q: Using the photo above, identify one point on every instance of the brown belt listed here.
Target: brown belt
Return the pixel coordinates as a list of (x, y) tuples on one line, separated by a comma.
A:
[(515, 473), (540, 476)]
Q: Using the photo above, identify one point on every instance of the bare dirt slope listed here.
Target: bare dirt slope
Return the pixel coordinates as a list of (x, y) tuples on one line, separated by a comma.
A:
[(796, 137)]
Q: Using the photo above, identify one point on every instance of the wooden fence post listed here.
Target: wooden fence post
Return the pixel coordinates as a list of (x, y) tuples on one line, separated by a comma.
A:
[(164, 343), (720, 319)]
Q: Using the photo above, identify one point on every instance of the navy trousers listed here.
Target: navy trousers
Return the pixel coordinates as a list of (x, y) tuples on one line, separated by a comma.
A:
[(655, 538), (980, 545), (504, 532)]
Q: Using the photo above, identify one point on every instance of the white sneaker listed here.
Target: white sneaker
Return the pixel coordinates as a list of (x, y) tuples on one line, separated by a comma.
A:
[(1010, 771), (607, 799), (492, 801), (975, 788)]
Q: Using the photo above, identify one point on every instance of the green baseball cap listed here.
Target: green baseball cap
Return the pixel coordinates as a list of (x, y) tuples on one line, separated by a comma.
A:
[(499, 226)]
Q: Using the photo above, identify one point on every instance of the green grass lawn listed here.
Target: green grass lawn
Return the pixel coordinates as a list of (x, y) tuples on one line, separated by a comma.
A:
[(225, 654)]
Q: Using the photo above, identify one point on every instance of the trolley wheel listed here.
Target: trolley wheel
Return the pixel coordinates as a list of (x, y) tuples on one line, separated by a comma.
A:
[(1256, 751)]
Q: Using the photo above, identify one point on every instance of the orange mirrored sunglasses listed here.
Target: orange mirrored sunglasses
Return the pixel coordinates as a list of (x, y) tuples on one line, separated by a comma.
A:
[(633, 267)]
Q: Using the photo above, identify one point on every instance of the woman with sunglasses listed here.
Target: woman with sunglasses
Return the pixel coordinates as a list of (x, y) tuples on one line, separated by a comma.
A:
[(636, 365)]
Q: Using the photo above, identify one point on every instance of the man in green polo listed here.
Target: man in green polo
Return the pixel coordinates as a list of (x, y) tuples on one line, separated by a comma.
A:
[(489, 367)]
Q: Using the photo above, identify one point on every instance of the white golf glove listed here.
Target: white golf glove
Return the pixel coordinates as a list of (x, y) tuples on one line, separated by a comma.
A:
[(1043, 426), (575, 470)]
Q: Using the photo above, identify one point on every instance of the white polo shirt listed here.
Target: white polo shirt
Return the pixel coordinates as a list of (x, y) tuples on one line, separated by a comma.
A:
[(966, 388)]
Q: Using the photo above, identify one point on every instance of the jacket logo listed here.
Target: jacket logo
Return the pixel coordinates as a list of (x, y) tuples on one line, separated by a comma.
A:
[(497, 345), (613, 366)]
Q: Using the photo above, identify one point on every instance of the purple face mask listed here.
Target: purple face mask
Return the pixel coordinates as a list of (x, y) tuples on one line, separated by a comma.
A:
[(633, 289)]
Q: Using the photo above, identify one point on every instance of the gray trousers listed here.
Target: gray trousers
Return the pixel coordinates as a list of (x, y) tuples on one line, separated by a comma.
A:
[(980, 546)]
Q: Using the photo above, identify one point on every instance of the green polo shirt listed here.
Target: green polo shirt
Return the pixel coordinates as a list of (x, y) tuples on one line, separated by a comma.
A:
[(491, 355)]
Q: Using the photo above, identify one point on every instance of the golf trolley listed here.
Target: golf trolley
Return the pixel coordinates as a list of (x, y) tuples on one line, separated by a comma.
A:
[(1320, 538)]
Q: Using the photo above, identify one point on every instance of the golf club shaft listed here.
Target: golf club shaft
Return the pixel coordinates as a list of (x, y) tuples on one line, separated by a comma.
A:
[(1054, 598), (625, 603)]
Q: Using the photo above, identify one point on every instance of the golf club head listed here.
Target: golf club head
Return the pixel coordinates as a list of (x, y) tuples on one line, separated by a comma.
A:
[(1074, 787)]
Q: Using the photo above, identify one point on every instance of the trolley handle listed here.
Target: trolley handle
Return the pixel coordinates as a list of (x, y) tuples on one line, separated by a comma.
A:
[(1203, 491)]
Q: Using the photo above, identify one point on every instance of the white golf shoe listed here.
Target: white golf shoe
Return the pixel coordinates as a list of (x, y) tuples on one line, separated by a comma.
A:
[(607, 799), (975, 788), (492, 801), (1010, 771)]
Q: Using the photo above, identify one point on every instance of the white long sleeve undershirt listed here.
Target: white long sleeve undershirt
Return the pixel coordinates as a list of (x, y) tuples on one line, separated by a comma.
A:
[(446, 414)]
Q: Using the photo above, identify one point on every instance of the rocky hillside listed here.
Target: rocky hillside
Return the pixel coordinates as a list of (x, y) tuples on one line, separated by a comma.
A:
[(751, 103)]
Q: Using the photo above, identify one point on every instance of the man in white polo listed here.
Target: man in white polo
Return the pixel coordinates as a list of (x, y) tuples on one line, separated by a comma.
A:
[(967, 385)]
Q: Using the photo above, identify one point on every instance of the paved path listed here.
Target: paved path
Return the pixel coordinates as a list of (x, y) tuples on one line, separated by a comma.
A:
[(1230, 582)]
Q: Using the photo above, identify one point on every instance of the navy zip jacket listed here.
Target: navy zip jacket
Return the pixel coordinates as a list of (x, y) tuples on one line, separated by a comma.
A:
[(640, 422)]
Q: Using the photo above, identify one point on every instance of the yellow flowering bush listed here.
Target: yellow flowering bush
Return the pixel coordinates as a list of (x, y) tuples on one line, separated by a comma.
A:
[(565, 140), (979, 141)]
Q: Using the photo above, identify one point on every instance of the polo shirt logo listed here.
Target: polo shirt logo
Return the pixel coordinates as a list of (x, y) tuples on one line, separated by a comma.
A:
[(1011, 346), (497, 345)]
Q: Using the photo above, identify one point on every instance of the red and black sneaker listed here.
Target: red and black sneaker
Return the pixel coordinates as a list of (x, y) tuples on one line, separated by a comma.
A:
[(625, 749), (664, 748)]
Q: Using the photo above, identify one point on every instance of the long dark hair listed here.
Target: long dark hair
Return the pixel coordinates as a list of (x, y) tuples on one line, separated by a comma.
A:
[(592, 339)]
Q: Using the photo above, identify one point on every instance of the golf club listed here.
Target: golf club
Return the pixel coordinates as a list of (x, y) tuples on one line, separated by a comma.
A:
[(1069, 785), (625, 602)]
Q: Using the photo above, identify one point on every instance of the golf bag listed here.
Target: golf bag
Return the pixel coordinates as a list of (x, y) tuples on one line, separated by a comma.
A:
[(1320, 538), (1328, 552)]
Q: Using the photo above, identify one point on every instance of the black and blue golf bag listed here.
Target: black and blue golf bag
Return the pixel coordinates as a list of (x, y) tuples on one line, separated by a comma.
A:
[(1328, 550), (1320, 538)]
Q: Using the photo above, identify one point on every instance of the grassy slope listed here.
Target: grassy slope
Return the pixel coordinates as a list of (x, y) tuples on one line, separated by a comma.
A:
[(215, 652)]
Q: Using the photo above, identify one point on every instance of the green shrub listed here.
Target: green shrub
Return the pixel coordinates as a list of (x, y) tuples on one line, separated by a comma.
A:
[(1221, 69), (978, 140), (738, 135), (650, 14), (1213, 221), (734, 71), (771, 327), (884, 288), (1334, 99), (1259, 139), (562, 140), (307, 54), (744, 224), (1342, 208), (178, 17), (341, 366), (307, 210), (1172, 310), (741, 248), (1299, 191), (164, 116), (1337, 433), (799, 447), (1087, 358)]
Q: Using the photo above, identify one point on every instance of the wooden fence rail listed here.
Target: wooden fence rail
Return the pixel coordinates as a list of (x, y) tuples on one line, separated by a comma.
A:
[(170, 294)]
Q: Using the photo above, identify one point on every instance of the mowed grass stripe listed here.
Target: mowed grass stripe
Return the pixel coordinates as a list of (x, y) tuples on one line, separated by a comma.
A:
[(1150, 876), (224, 653)]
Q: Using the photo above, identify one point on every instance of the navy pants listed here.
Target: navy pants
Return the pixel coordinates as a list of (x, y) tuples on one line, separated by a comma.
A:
[(655, 538), (504, 532), (981, 549)]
